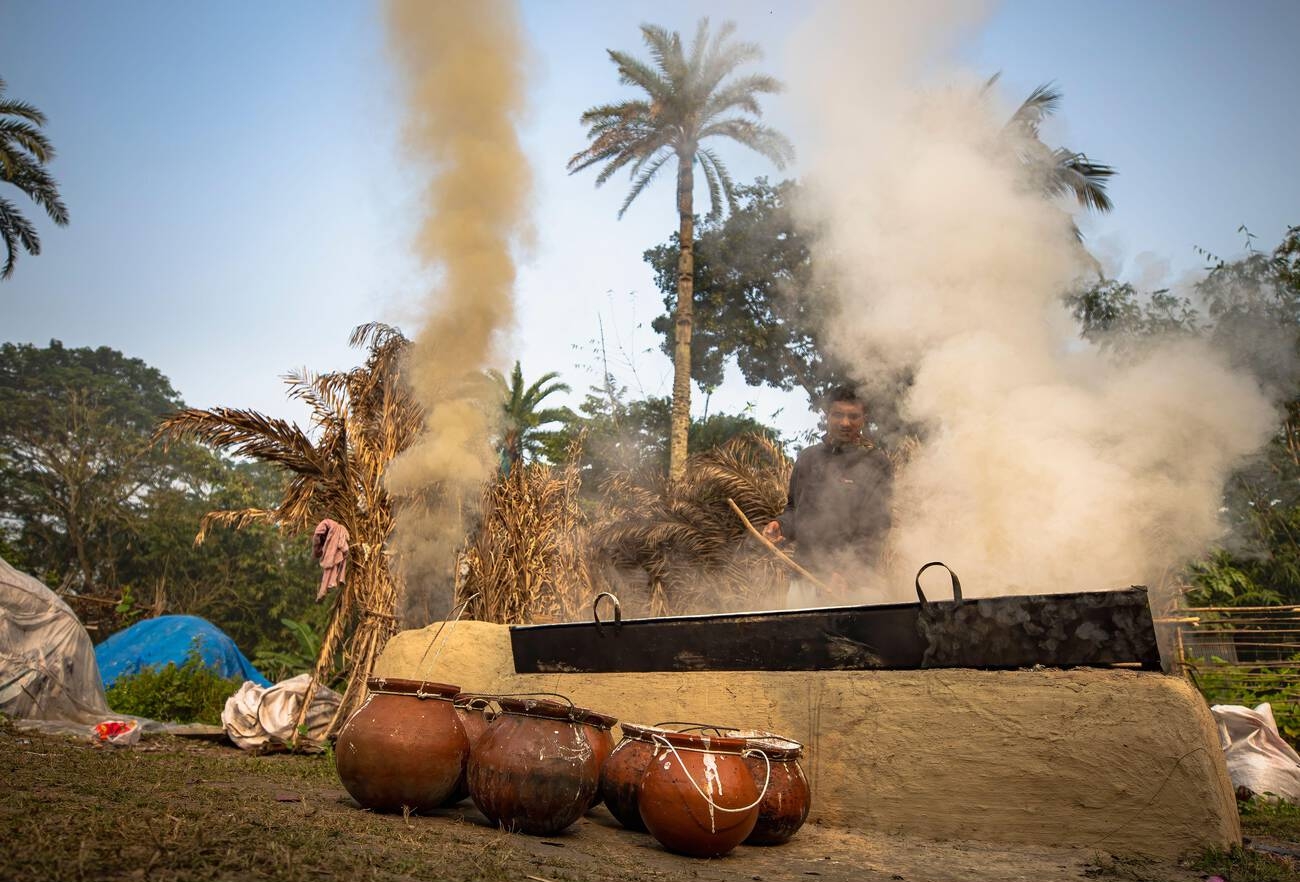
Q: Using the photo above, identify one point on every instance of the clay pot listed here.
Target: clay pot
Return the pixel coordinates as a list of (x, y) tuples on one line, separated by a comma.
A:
[(533, 770), (788, 797), (620, 776), (404, 747), (597, 728), (474, 716), (697, 795)]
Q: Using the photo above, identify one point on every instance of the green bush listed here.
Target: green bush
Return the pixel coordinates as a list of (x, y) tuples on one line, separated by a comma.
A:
[(1222, 683), (191, 693)]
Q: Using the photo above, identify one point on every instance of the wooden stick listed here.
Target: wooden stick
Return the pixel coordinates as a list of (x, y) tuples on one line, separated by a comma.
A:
[(780, 555)]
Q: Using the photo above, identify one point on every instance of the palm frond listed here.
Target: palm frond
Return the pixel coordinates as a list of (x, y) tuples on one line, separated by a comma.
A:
[(1044, 101), (644, 180), (16, 231), (760, 138), (1086, 180)]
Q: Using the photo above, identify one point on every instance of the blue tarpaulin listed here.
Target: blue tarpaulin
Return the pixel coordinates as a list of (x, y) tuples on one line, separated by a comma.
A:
[(168, 639)]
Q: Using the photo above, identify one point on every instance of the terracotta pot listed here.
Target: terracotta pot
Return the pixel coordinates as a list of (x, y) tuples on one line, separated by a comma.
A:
[(474, 716), (404, 747), (620, 776), (697, 795), (597, 728), (788, 797), (533, 770)]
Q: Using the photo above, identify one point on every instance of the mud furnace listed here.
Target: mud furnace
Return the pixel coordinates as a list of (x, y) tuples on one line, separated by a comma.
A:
[(1117, 761)]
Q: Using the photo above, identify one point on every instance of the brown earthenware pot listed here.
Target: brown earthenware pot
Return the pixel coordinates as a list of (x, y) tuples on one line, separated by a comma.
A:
[(474, 715), (597, 728), (697, 795), (620, 776), (533, 770), (404, 747), (788, 797)]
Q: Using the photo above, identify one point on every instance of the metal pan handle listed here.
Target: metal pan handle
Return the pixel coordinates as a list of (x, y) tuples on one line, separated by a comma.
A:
[(956, 583), (595, 613)]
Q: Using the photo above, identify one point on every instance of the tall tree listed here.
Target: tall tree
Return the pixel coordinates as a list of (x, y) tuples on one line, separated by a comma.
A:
[(24, 153), (691, 98), (92, 507), (76, 463), (522, 415)]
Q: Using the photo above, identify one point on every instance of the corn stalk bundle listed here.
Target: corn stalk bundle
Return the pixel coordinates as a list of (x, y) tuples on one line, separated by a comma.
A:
[(685, 537), (527, 560), (360, 421)]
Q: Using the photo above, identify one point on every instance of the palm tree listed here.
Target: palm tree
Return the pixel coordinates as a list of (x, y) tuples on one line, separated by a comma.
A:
[(1064, 172), (521, 418), (361, 420), (689, 100), (24, 151)]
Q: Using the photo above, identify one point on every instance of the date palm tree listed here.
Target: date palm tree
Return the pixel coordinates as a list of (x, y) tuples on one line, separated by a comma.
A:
[(691, 97), (361, 420), (24, 152), (522, 416)]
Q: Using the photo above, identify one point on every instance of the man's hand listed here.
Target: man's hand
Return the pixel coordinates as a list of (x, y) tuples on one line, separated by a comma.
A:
[(772, 533), (838, 587)]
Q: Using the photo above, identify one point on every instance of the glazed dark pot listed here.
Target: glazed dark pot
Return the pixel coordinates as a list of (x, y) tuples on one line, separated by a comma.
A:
[(403, 748), (597, 727), (474, 716), (533, 770), (620, 776), (788, 797), (698, 797)]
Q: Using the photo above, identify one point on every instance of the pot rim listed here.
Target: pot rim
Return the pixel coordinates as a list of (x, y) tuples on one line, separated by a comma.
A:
[(536, 707), (777, 747), (701, 743), (467, 701), (413, 688), (639, 731), (589, 717)]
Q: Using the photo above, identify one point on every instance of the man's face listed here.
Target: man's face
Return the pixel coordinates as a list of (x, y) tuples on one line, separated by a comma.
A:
[(844, 421)]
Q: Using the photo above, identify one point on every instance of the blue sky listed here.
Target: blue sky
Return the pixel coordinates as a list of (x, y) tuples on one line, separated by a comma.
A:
[(239, 201)]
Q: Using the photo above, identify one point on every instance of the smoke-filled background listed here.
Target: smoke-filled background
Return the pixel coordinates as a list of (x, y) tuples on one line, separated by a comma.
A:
[(461, 70), (1045, 464)]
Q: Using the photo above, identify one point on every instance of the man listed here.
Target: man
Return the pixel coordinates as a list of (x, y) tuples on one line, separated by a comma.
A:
[(837, 510)]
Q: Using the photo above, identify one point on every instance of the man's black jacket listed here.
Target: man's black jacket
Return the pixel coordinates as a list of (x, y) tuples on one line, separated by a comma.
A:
[(838, 504)]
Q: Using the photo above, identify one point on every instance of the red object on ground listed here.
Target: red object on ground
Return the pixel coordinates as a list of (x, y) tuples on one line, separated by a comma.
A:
[(111, 728)]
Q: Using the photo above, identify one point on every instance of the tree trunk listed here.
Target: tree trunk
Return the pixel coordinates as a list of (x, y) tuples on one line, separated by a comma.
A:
[(685, 317)]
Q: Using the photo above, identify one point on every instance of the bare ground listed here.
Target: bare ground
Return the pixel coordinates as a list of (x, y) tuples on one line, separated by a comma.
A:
[(173, 809)]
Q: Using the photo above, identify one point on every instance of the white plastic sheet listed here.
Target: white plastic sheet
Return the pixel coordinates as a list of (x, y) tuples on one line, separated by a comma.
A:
[(258, 718), (47, 662), (1259, 758)]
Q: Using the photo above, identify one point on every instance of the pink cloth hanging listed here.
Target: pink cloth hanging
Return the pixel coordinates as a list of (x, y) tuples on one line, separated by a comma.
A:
[(329, 544)]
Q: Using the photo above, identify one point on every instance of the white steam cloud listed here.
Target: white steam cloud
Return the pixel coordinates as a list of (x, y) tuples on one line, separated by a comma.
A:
[(1046, 465)]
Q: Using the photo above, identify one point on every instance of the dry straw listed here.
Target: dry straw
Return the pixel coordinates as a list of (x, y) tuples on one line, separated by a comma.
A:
[(684, 537)]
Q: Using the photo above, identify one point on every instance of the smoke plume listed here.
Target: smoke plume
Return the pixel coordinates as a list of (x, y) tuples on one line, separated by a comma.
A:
[(461, 67), (1045, 465)]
